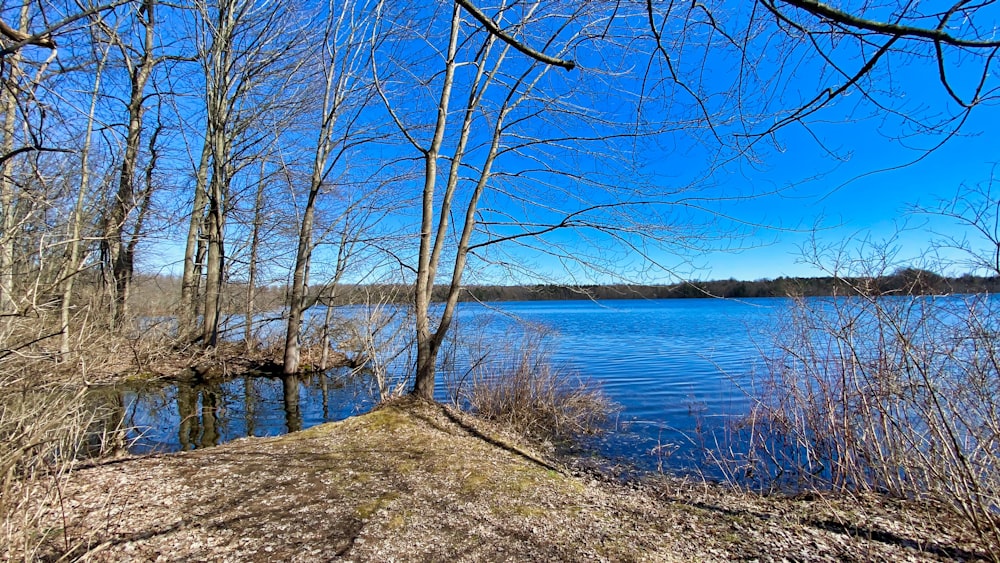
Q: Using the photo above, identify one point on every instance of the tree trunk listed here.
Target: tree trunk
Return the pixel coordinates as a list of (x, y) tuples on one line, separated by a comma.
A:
[(427, 352), (297, 293), (120, 258), (215, 260), (74, 259), (8, 92), (194, 249), (258, 221), (128, 252), (427, 341)]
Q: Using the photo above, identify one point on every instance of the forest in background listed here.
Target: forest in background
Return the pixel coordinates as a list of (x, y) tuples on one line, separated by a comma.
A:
[(155, 291), (905, 282)]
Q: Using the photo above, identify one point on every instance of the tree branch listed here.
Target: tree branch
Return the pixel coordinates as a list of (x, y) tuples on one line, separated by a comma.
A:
[(823, 10), (496, 31), (44, 40)]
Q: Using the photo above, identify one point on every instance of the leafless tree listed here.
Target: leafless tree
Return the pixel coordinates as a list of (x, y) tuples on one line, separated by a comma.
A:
[(975, 211), (247, 51), (76, 250), (531, 150), (346, 91), (21, 138), (256, 228), (130, 205)]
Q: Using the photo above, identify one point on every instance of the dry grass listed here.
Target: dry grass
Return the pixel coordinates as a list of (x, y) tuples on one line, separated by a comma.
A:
[(887, 394), (42, 434), (49, 420), (532, 397), (45, 426)]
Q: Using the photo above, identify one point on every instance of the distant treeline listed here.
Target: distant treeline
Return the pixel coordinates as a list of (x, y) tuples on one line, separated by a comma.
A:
[(903, 282)]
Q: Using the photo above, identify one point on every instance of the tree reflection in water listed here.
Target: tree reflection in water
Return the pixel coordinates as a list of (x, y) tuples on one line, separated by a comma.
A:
[(290, 395), (199, 411), (188, 415)]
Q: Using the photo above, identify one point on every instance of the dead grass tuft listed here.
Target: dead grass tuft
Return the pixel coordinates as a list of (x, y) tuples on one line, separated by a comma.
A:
[(537, 400)]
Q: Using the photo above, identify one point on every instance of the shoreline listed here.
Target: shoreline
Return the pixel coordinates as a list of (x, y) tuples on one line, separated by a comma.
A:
[(417, 481)]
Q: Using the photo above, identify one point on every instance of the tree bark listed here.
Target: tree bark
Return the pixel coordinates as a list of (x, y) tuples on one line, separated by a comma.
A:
[(8, 221), (428, 344), (215, 261), (73, 259), (193, 249), (258, 222), (120, 257)]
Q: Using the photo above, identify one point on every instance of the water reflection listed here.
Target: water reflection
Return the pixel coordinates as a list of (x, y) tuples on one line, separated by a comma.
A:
[(678, 368), (106, 432), (290, 396), (185, 416), (198, 409)]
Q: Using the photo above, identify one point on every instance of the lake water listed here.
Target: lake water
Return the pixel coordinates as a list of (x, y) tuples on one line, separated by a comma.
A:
[(674, 366)]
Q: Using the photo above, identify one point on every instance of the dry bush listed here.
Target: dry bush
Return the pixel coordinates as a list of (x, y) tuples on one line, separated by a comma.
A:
[(50, 419), (377, 341), (42, 433), (893, 394), (44, 430), (525, 392)]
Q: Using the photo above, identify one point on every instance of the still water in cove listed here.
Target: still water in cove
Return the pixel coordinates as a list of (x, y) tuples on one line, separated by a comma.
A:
[(676, 367), (185, 416)]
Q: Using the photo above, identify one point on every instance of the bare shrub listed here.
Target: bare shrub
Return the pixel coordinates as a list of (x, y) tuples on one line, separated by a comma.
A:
[(525, 392), (887, 393), (42, 433), (48, 421), (378, 343)]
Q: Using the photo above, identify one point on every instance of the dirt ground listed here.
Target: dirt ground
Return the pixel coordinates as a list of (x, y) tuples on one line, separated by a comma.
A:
[(414, 481)]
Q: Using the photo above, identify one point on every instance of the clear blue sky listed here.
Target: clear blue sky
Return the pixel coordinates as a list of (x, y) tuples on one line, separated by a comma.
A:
[(861, 192), (854, 200), (865, 197), (831, 199)]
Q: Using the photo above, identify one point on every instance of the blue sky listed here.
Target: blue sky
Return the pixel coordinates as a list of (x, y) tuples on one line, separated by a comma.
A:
[(853, 204), (856, 194), (831, 199), (855, 200)]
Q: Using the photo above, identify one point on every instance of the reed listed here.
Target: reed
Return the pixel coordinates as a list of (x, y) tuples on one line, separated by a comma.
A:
[(523, 391), (876, 392)]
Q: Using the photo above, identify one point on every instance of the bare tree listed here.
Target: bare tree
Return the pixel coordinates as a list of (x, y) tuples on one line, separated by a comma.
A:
[(247, 53), (75, 253), (975, 210), (725, 118), (256, 227), (20, 138), (529, 153), (118, 247), (346, 91)]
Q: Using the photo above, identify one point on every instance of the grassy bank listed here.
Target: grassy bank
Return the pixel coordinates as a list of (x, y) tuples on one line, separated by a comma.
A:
[(417, 481)]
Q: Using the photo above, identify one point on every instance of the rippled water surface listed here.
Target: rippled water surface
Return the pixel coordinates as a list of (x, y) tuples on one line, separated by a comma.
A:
[(675, 366)]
